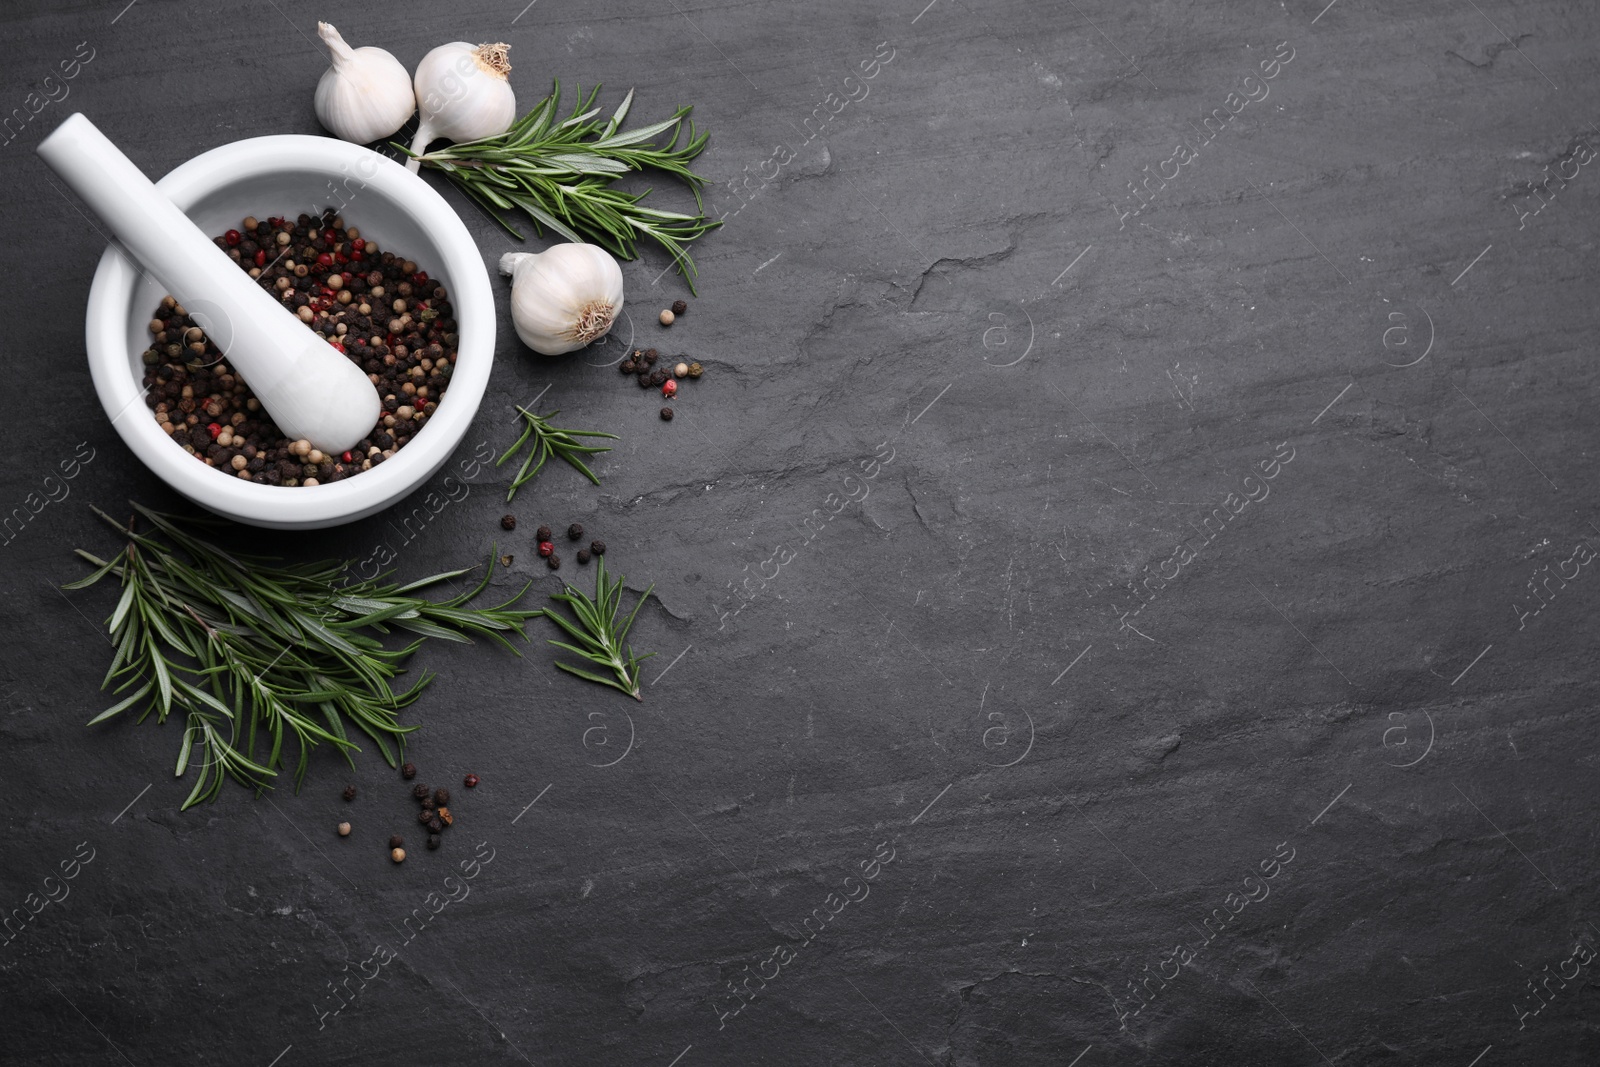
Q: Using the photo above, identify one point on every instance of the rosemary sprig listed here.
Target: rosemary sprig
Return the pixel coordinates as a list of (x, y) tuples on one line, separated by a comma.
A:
[(551, 440), (559, 172), (253, 652), (599, 639)]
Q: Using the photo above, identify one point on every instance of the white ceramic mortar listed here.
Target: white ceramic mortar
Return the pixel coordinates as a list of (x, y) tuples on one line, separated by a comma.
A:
[(292, 175)]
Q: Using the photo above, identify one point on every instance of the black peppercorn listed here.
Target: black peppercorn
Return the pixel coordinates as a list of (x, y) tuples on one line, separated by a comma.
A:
[(396, 841), (666, 414), (441, 796), (427, 802), (651, 356), (349, 792), (508, 522), (435, 825), (679, 307), (433, 840), (470, 781), (597, 547), (574, 532), (542, 534), (425, 816), (553, 561), (583, 556), (644, 381), (408, 771), (628, 366), (419, 790)]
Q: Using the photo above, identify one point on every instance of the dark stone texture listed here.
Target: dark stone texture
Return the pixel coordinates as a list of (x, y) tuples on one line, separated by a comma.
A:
[(1067, 395)]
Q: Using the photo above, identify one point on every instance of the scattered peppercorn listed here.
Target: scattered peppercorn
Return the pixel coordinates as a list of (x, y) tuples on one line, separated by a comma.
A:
[(344, 829), (667, 317), (542, 534), (396, 841), (445, 816), (546, 548), (669, 389), (681, 370), (680, 306), (666, 414), (425, 816), (574, 532), (349, 792), (644, 381), (554, 562), (470, 781), (441, 796), (583, 556), (433, 840), (628, 366), (408, 771), (420, 791), (505, 560), (597, 547), (434, 824), (650, 357), (398, 855), (695, 370), (508, 522)]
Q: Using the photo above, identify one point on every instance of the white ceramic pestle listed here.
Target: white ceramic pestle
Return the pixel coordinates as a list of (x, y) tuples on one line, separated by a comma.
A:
[(309, 388)]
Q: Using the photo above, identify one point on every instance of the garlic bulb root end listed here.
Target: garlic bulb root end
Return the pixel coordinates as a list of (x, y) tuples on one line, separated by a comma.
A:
[(494, 58), (593, 322)]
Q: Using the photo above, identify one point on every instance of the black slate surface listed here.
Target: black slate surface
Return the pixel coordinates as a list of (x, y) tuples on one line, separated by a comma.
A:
[(1343, 686)]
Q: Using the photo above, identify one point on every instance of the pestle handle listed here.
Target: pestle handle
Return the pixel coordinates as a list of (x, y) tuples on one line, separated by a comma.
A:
[(309, 388)]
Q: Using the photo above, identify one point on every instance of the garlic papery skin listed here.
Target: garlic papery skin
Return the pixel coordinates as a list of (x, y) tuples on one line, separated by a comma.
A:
[(563, 298), (463, 94), (365, 95)]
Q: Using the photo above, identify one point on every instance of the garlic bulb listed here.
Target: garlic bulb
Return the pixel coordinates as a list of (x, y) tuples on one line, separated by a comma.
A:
[(463, 94), (564, 297), (366, 94)]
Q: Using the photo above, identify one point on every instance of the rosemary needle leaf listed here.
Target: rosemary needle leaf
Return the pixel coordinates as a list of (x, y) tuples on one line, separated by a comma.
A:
[(254, 652), (550, 440), (123, 705), (560, 175), (596, 635)]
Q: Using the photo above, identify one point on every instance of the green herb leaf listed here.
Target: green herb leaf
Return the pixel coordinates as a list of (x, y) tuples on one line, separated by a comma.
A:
[(245, 646), (550, 441), (598, 639), (561, 175)]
